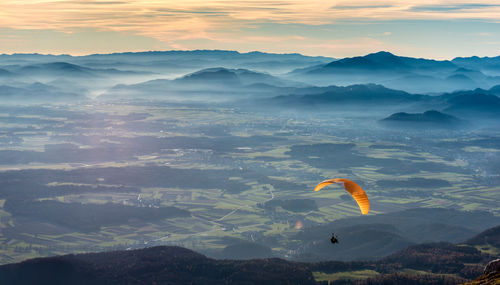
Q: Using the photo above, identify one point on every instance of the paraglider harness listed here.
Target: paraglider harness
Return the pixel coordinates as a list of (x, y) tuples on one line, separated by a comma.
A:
[(334, 239)]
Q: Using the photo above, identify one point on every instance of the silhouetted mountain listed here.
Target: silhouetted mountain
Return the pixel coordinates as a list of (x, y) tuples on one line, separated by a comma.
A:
[(212, 75), (67, 70), (56, 69), (429, 83), (17, 58), (197, 59), (415, 75), (475, 77), (383, 61), (461, 81), (155, 265), (386, 61), (229, 77), (491, 64), (354, 94), (416, 83), (219, 83), (176, 62), (36, 93), (427, 119), (474, 103), (495, 90)]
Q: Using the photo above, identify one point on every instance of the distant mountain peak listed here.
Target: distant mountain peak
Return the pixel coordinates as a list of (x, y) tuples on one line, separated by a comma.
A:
[(383, 61), (213, 74), (381, 54), (431, 117)]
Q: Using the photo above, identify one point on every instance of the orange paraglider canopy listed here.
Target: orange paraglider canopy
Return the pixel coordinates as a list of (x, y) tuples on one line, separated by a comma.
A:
[(356, 191)]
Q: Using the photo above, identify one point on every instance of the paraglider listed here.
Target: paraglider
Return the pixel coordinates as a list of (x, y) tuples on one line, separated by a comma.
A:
[(354, 189)]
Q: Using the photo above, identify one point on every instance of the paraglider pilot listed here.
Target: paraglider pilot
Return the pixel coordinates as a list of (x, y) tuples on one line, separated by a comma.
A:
[(334, 239)]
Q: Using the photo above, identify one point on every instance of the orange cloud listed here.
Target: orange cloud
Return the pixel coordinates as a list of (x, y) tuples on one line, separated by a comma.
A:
[(237, 24), (165, 20)]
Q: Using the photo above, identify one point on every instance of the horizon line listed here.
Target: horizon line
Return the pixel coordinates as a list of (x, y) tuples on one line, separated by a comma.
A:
[(234, 51)]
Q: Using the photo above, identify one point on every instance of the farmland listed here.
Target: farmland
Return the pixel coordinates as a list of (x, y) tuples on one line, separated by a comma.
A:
[(203, 176)]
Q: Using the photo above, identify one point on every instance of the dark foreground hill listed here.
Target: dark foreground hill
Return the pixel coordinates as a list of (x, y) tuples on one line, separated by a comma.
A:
[(155, 265), (431, 263), (491, 274)]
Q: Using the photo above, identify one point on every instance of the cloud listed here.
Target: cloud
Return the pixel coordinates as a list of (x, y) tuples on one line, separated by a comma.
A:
[(95, 2), (301, 25), (448, 8), (354, 7), (173, 18)]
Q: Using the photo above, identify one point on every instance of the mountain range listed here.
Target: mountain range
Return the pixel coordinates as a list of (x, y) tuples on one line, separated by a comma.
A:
[(219, 83), (177, 62), (467, 88), (415, 75)]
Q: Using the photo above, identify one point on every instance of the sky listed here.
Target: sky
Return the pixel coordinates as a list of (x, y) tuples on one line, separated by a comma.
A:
[(439, 29)]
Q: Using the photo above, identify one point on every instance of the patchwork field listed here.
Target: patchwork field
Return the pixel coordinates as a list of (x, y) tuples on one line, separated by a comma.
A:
[(208, 177)]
